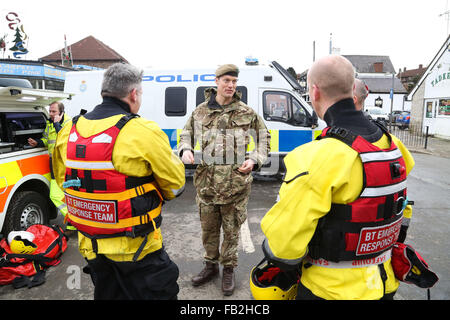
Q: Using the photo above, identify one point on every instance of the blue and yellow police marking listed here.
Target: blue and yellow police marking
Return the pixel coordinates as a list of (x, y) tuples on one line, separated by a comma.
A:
[(280, 140)]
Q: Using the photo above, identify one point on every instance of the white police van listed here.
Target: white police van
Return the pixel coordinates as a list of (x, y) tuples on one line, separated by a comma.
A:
[(170, 96)]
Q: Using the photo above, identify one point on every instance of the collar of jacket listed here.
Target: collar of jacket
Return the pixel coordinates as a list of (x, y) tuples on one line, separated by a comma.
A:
[(109, 107), (343, 114), (210, 96)]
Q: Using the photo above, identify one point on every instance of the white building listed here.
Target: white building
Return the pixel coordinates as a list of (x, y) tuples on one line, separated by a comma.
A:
[(380, 88), (431, 95), (377, 72)]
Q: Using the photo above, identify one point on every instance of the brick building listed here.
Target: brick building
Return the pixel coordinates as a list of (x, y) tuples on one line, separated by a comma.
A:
[(89, 52), (410, 77)]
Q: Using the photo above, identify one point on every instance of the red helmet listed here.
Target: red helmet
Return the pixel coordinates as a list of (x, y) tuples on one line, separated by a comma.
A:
[(410, 267)]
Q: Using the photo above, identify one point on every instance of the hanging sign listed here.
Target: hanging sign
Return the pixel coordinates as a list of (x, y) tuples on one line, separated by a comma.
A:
[(18, 37)]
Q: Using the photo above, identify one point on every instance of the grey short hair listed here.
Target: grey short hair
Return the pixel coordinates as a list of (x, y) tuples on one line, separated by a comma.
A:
[(120, 78), (361, 90)]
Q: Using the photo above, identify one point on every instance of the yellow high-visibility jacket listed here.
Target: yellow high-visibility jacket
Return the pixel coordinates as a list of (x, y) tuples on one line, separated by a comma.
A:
[(334, 175), (50, 134), (141, 149)]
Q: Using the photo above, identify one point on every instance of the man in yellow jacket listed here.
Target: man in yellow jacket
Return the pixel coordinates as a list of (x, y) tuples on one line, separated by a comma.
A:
[(325, 195), (138, 172), (58, 119)]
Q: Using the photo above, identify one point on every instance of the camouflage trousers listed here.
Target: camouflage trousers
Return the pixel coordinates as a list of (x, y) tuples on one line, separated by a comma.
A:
[(229, 217)]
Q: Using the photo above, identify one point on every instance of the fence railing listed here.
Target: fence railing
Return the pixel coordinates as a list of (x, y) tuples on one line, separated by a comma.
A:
[(411, 136)]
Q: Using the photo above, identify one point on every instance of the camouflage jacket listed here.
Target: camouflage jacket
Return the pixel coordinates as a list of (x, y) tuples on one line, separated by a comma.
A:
[(225, 136)]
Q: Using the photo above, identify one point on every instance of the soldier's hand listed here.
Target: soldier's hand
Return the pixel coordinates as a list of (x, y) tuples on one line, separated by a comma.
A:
[(32, 142), (247, 166), (187, 157)]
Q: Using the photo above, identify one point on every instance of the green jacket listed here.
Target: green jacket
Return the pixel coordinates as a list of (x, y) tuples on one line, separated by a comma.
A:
[(223, 135)]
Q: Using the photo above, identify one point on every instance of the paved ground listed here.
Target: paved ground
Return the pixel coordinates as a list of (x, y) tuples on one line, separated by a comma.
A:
[(436, 146), (428, 186)]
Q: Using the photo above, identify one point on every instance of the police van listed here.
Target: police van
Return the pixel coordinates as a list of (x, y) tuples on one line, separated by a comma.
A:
[(24, 171), (170, 96)]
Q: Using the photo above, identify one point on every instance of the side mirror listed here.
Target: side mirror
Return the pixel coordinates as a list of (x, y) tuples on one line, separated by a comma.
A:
[(312, 120)]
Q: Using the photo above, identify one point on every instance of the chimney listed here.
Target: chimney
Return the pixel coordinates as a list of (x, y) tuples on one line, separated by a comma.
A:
[(420, 66), (404, 69), (378, 67)]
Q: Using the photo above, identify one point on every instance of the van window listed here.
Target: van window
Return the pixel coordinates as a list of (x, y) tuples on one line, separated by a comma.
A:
[(282, 107), (200, 94), (176, 101), (277, 106), (299, 114), (17, 127)]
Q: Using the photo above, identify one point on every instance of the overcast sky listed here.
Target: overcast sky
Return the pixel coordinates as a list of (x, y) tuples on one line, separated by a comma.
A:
[(195, 33)]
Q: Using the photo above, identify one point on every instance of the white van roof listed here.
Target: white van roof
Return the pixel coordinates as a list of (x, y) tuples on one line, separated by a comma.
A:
[(15, 96)]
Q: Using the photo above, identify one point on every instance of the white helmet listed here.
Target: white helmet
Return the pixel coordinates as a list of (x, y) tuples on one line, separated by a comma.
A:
[(23, 235)]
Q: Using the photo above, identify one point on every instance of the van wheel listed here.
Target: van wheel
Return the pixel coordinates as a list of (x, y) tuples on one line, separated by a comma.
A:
[(26, 208)]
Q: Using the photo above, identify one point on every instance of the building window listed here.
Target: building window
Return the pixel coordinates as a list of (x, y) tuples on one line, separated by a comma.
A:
[(176, 101), (54, 85), (444, 107), (429, 113)]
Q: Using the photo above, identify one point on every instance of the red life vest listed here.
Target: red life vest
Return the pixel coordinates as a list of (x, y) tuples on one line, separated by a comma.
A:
[(370, 225), (107, 202)]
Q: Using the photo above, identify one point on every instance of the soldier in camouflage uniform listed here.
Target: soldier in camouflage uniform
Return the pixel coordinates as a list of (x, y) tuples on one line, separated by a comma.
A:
[(223, 127)]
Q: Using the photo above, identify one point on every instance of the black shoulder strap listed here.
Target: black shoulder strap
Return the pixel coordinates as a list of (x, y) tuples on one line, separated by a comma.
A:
[(124, 120), (341, 134), (383, 129), (75, 119)]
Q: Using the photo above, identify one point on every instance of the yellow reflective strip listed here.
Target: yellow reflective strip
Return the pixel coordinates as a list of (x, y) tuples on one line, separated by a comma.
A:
[(317, 133), (2, 184), (274, 140), (48, 176), (12, 173), (119, 196), (123, 223)]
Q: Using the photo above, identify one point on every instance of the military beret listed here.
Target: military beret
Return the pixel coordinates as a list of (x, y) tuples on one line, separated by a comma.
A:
[(227, 69)]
